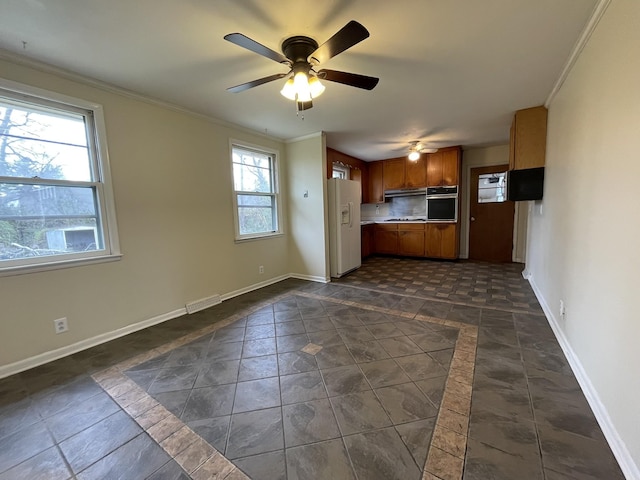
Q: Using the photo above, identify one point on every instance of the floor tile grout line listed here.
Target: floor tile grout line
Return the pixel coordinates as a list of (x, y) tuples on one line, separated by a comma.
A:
[(244, 313), (439, 299)]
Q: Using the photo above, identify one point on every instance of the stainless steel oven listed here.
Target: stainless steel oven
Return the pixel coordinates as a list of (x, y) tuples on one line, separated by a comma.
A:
[(442, 204)]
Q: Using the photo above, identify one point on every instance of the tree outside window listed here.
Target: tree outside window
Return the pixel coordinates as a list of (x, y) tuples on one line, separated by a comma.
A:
[(51, 196), (255, 192)]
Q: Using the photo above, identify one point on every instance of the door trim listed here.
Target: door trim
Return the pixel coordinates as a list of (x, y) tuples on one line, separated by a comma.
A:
[(466, 192)]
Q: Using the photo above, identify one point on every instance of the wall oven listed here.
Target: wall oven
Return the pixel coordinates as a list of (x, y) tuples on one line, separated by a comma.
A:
[(442, 204)]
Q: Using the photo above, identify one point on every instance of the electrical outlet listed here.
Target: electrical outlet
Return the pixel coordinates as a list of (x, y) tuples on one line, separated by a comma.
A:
[(261, 269), (60, 325), (562, 310)]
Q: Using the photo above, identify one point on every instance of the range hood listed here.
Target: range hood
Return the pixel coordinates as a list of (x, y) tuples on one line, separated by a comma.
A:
[(405, 192)]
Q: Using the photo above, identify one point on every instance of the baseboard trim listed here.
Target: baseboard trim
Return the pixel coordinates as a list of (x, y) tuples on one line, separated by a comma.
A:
[(618, 447), (310, 278), (255, 286), (50, 356)]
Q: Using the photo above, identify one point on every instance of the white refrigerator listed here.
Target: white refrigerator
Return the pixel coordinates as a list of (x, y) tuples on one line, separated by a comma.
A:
[(344, 226)]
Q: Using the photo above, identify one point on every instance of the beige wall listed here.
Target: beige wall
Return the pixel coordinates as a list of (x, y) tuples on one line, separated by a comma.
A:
[(584, 245), (308, 243), (172, 185), (485, 157)]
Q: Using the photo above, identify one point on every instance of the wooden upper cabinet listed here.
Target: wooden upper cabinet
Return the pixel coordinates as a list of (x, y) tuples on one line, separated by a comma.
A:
[(451, 167), (528, 142), (393, 172), (375, 186), (443, 167), (416, 173)]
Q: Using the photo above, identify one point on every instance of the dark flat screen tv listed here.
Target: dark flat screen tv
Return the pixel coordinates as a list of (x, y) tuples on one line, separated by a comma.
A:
[(525, 184)]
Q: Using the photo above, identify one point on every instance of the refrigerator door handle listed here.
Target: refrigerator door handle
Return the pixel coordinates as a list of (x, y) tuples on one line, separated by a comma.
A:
[(350, 214)]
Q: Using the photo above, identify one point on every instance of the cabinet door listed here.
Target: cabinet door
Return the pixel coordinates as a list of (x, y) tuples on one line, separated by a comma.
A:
[(448, 241), (376, 189), (451, 167), (441, 240), (393, 173), (411, 242), (367, 241), (386, 239), (416, 173), (433, 239), (529, 138), (434, 169)]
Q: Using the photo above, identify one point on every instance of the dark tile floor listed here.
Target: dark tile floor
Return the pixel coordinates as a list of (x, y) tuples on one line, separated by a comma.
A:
[(308, 387)]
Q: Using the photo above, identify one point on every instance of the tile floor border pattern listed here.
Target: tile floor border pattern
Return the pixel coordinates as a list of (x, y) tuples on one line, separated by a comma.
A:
[(381, 289), (445, 459)]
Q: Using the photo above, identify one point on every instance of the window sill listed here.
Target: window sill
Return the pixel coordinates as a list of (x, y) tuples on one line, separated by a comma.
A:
[(259, 237), (58, 265)]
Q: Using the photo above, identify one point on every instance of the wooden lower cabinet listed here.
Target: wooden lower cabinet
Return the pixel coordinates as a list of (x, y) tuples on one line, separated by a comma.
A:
[(432, 240), (411, 239), (366, 235), (441, 240), (386, 238)]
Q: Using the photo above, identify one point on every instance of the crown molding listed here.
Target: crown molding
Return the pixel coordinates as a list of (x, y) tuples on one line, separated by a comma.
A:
[(108, 87), (597, 14)]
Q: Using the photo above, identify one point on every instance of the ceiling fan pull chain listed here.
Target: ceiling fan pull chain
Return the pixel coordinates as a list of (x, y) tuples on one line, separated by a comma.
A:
[(298, 109)]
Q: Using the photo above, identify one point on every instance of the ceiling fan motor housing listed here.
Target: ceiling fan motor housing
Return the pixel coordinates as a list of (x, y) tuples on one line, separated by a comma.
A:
[(297, 49)]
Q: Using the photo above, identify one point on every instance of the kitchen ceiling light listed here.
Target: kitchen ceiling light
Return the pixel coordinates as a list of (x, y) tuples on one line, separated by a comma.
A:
[(416, 148)]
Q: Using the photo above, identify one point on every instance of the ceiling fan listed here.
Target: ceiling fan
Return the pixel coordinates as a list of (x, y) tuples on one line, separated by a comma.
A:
[(416, 148), (302, 55)]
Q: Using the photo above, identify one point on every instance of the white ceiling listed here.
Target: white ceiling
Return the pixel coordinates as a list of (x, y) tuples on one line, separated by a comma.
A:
[(452, 72)]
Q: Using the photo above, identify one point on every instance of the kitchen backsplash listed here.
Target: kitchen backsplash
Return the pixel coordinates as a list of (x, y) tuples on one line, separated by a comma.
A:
[(413, 206)]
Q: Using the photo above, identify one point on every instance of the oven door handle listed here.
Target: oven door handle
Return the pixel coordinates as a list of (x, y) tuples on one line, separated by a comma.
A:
[(449, 195)]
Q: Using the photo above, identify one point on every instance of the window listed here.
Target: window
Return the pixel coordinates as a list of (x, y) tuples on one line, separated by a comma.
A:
[(255, 192), (340, 171), (492, 188), (55, 196)]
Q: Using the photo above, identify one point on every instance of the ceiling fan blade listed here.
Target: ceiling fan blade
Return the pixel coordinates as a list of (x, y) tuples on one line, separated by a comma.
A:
[(255, 83), (245, 42), (352, 79), (346, 37)]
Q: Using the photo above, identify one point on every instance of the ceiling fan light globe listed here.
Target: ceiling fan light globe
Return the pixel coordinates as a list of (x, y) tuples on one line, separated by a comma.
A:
[(315, 87), (413, 156), (288, 90), (301, 85)]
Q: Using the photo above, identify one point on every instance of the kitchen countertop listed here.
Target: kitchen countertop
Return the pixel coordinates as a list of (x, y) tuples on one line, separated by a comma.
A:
[(372, 222)]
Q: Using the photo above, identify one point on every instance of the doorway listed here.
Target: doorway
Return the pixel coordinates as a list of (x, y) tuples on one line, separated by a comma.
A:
[(490, 215)]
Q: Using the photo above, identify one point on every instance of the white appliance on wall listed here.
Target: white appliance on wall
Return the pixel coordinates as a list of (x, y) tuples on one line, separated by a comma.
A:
[(344, 226)]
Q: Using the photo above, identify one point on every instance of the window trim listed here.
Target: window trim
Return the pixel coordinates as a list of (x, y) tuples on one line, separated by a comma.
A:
[(338, 167), (238, 238), (100, 161)]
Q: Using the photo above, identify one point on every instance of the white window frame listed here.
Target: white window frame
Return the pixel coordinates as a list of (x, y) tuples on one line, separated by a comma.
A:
[(344, 171), (275, 173), (101, 182)]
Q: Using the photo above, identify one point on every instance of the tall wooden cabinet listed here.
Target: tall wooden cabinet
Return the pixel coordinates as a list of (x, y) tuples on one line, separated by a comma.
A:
[(528, 139), (375, 187)]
